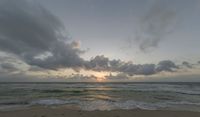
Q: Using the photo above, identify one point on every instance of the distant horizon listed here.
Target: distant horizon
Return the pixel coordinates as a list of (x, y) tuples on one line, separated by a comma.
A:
[(117, 82)]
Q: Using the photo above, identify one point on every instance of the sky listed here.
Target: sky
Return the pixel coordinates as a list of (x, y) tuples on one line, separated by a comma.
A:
[(99, 40)]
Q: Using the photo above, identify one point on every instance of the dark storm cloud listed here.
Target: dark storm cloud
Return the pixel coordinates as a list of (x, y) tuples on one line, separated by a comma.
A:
[(102, 63), (35, 35), (99, 63), (63, 55), (132, 69), (166, 65), (148, 69), (159, 20)]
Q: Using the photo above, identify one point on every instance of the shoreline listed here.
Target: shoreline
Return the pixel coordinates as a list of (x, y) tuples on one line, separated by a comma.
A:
[(68, 112)]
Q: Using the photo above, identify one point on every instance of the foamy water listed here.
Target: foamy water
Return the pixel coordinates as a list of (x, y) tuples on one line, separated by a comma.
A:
[(102, 96)]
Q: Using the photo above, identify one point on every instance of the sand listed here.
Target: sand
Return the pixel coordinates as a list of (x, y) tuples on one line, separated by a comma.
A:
[(65, 112)]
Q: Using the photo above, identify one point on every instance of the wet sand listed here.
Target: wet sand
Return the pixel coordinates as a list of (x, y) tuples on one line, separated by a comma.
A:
[(66, 112)]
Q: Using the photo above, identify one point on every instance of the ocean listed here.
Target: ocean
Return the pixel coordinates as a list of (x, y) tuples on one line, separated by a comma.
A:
[(102, 96)]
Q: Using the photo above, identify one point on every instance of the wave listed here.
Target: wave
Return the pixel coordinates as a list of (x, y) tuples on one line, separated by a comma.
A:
[(48, 102), (105, 105), (102, 96), (131, 104)]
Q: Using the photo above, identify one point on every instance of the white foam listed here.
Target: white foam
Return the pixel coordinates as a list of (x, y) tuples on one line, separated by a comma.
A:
[(130, 104), (183, 103), (107, 105), (48, 102), (96, 105)]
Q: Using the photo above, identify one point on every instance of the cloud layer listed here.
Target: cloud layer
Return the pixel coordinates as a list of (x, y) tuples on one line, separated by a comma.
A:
[(31, 34), (159, 21), (101, 63)]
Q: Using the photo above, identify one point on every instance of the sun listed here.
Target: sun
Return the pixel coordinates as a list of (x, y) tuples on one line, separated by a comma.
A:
[(100, 79), (100, 76)]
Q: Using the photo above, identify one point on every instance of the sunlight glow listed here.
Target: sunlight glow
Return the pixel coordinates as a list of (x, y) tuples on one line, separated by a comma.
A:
[(100, 79)]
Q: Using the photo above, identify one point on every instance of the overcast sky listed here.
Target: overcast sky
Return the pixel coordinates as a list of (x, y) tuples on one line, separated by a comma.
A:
[(99, 40)]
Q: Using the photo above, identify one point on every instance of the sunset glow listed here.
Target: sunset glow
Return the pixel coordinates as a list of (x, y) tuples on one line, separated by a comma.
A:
[(100, 79)]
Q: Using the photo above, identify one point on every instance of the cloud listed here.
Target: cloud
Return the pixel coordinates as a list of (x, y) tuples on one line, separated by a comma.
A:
[(166, 65), (9, 64), (187, 64), (102, 63), (8, 67), (159, 21), (81, 78), (132, 69), (76, 44), (35, 35), (98, 63), (121, 77)]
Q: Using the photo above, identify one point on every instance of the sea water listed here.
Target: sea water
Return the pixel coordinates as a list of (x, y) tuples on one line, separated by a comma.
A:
[(102, 96)]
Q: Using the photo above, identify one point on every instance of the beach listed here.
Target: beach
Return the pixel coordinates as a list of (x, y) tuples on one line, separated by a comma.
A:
[(66, 112), (99, 58)]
